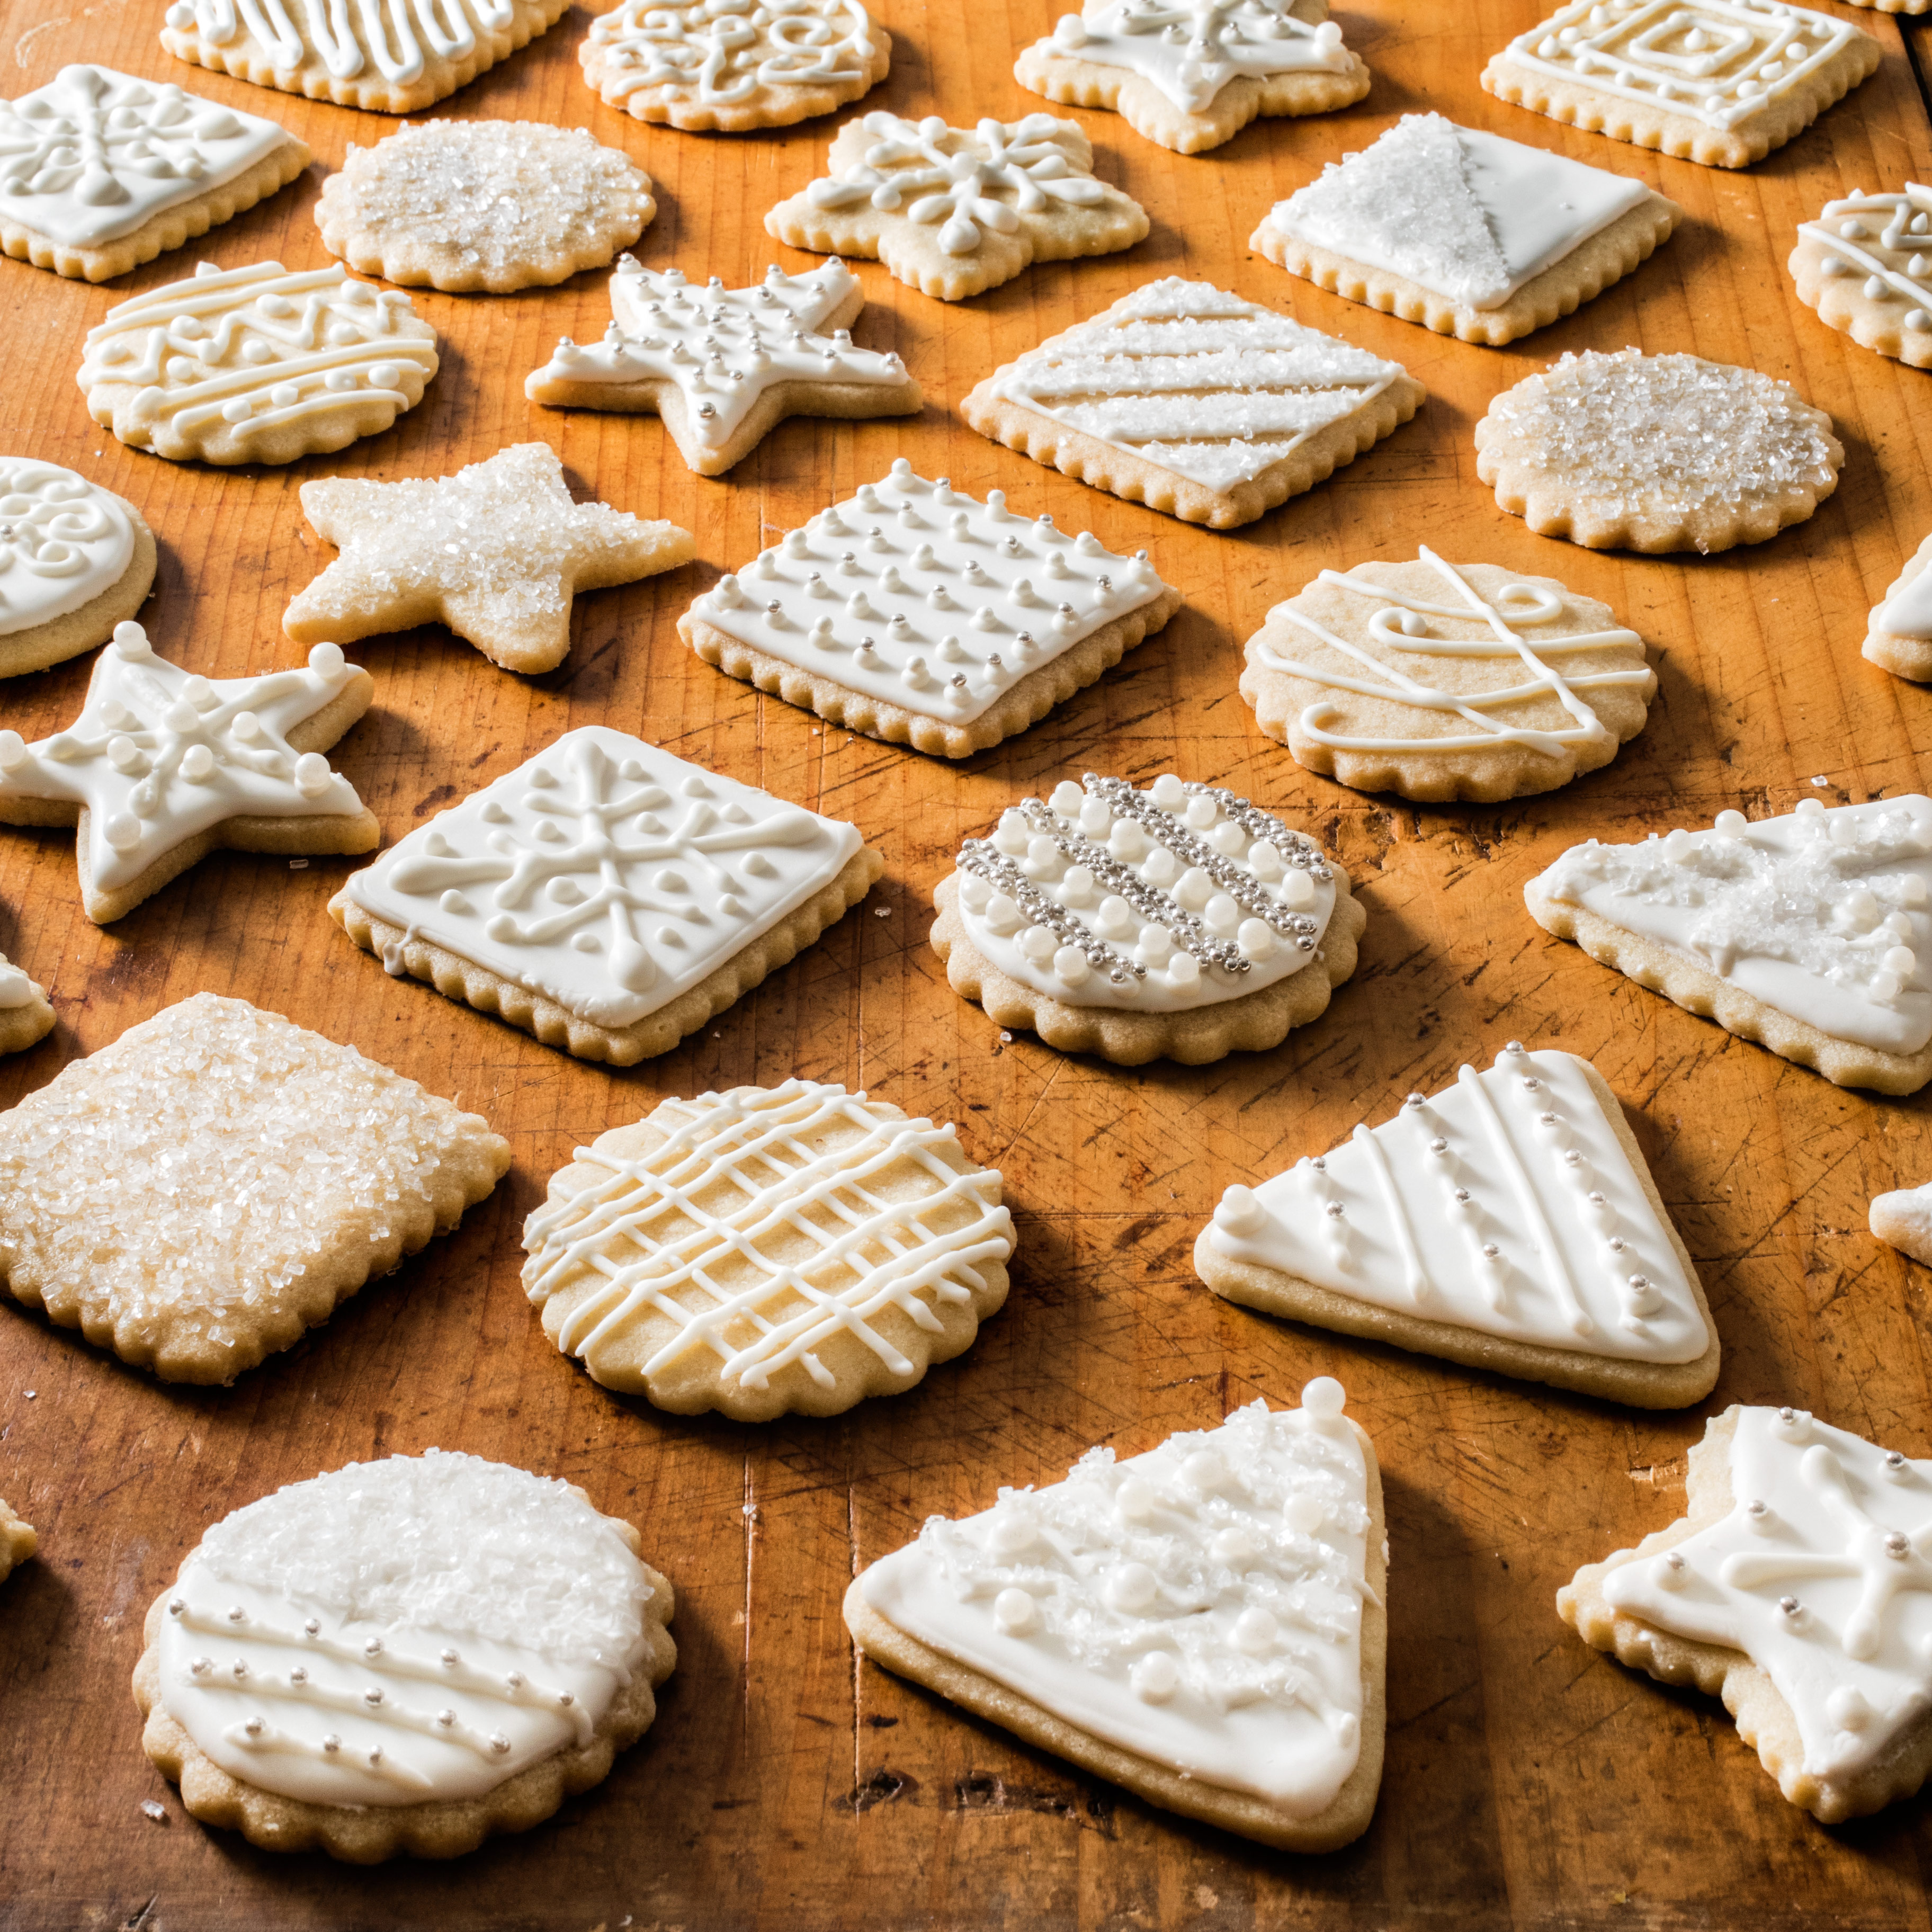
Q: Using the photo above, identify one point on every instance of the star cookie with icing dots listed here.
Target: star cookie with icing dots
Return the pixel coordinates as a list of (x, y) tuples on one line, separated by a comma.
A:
[(162, 767), (724, 367), (25, 1015), (953, 211), (497, 552)]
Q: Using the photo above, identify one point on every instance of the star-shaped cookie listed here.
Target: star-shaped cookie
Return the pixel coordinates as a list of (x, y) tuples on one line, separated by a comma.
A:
[(724, 366), (497, 552), (162, 767)]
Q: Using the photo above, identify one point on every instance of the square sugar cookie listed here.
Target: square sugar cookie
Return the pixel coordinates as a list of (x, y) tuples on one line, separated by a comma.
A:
[(606, 896), (219, 1179)]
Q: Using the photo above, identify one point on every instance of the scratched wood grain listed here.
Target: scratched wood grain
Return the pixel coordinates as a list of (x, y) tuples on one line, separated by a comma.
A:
[(1529, 1783)]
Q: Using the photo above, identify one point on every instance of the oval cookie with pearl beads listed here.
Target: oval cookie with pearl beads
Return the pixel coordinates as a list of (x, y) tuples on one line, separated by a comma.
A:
[(1865, 264)]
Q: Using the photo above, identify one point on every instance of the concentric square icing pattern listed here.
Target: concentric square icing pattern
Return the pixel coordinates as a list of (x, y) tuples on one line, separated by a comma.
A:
[(1823, 913), (1505, 1204), (394, 1632), (63, 541), (94, 154), (1156, 901), (916, 593), (1200, 1605), (605, 874)]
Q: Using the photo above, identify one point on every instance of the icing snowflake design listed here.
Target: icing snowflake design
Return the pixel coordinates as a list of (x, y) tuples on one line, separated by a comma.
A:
[(723, 51), (344, 43), (1887, 239), (957, 179), (158, 753), (62, 541)]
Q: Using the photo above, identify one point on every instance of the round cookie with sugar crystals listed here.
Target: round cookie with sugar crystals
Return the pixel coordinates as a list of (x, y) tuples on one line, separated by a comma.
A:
[(25, 1017), (1865, 264)]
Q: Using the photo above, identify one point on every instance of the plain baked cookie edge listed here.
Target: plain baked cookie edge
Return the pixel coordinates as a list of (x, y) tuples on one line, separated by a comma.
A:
[(23, 1027), (41, 647), (1904, 657), (1343, 1820)]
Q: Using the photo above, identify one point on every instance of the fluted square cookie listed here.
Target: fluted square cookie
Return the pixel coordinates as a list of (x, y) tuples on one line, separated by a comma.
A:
[(1899, 632), (75, 562), (195, 1195), (25, 1017), (1721, 82), (963, 625), (1865, 264), (605, 896), (100, 172)]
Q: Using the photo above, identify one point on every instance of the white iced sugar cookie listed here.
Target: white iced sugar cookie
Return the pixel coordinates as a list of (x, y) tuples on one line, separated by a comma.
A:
[(1907, 612), (25, 1017), (63, 541), (16, 990), (1903, 1218), (1885, 240)]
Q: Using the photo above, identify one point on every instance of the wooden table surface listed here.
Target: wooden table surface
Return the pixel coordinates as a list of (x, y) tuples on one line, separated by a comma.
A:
[(1530, 1782)]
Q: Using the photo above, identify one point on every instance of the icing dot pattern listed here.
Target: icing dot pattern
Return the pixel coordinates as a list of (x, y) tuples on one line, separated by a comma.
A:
[(63, 541), (1886, 238), (725, 53)]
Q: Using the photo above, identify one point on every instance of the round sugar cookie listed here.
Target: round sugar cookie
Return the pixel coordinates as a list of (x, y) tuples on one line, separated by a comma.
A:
[(75, 561)]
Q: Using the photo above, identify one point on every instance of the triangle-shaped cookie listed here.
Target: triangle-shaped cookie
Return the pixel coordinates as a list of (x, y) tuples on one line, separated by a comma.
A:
[(1507, 1222)]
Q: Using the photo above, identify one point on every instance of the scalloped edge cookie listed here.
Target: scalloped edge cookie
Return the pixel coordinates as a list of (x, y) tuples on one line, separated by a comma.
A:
[(40, 646)]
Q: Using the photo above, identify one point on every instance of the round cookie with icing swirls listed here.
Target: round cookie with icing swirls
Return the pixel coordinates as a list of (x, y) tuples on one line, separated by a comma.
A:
[(402, 1656), (25, 1017), (1865, 264), (734, 65)]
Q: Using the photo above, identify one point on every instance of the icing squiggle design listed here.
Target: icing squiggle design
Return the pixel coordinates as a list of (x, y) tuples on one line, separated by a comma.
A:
[(722, 52), (348, 35), (62, 542), (1904, 228)]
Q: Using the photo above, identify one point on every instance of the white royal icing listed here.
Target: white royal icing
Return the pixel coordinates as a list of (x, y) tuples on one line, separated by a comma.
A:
[(1907, 613), (1466, 214), (661, 1252), (1718, 61), (1200, 1604), (1196, 381), (965, 183), (347, 36), (16, 990), (723, 51), (1822, 914), (401, 1632), (1821, 1574), (1402, 623), (723, 347), (63, 541), (158, 753), (1886, 239), (916, 593), (604, 875), (94, 154), (1506, 1203), (1906, 1213), (1190, 50), (253, 349), (1159, 900)]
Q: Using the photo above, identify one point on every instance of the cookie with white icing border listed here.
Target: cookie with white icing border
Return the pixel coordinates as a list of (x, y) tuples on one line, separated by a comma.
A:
[(1804, 932), (769, 1252), (25, 1017), (75, 561), (404, 1656), (1719, 81), (1797, 1586), (984, 621), (1898, 634), (1105, 1619), (100, 172), (1465, 232), (1143, 61), (1508, 1223), (17, 1541), (1441, 681), (1179, 923), (605, 896), (1865, 264), (696, 68)]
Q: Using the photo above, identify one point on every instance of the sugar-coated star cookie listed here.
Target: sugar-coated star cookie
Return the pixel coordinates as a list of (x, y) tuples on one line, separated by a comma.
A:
[(1898, 633), (606, 896), (402, 1656), (1191, 74), (162, 767), (1865, 264), (100, 172), (25, 1017), (724, 367), (195, 1195), (17, 1541), (985, 203), (497, 552), (1797, 1586), (1204, 1623)]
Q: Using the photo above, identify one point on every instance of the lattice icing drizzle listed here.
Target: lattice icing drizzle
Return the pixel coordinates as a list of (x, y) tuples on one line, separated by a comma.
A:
[(1506, 1203), (347, 41), (1196, 380), (695, 1232), (967, 183), (723, 51), (1162, 900), (918, 594), (63, 541), (253, 348), (396, 1632), (1201, 1604), (604, 875), (1823, 913), (1887, 239), (1821, 1573), (723, 347), (1190, 50), (1718, 61), (1402, 624), (94, 154), (159, 754)]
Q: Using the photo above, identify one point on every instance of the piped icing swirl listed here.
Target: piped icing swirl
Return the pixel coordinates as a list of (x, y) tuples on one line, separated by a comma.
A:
[(63, 541)]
